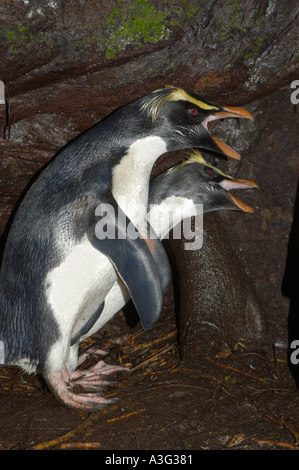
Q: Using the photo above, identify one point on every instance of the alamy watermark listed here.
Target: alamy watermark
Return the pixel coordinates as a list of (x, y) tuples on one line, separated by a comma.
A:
[(295, 93), (294, 357), (2, 93), (2, 352), (191, 233)]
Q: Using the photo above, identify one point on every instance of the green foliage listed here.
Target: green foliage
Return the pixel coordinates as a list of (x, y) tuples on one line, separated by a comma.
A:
[(20, 37), (140, 22), (133, 22)]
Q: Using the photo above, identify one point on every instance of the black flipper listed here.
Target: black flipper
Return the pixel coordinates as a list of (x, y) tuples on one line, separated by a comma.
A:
[(108, 229), (89, 324), (160, 257)]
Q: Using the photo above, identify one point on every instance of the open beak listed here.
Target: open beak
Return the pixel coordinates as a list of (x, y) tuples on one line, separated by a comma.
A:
[(228, 184), (226, 112)]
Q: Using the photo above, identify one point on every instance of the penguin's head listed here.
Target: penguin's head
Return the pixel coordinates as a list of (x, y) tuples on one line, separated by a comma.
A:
[(182, 119), (197, 180)]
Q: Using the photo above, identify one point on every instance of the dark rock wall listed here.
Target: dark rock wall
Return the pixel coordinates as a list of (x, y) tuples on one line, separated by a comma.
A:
[(67, 64)]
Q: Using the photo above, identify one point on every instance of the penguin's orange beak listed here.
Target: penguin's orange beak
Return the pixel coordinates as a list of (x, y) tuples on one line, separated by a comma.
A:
[(226, 148), (231, 112), (243, 207), (228, 112), (228, 185)]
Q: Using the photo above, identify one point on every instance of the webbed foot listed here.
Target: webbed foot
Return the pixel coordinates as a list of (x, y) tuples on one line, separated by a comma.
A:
[(59, 383)]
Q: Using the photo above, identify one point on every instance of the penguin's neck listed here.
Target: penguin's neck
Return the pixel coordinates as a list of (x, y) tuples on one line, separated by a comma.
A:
[(130, 177)]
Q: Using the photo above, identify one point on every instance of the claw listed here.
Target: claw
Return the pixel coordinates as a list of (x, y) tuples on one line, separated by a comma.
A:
[(89, 352), (57, 382)]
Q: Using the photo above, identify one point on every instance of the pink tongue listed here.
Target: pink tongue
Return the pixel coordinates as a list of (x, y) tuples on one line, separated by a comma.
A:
[(210, 118), (237, 184)]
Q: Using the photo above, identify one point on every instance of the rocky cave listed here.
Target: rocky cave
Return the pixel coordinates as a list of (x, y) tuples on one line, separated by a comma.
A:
[(215, 371)]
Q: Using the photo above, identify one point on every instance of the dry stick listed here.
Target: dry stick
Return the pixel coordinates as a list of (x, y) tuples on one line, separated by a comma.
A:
[(59, 440), (80, 445), (154, 356), (132, 336), (247, 374), (80, 427), (151, 343), (267, 442), (126, 415)]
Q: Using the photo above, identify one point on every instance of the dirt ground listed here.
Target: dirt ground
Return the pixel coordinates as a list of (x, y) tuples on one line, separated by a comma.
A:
[(235, 399)]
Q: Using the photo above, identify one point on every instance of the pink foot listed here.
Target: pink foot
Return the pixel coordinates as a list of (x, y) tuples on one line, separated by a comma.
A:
[(58, 383), (88, 380), (92, 379), (90, 351), (106, 369)]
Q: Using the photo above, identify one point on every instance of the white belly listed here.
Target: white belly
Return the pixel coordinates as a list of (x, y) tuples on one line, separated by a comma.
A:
[(114, 301), (78, 286)]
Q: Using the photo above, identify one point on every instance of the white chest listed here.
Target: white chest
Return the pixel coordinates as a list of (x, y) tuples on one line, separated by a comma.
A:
[(130, 178), (167, 215)]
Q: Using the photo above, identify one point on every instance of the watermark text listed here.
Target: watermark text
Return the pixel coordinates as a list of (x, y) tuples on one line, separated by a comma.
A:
[(2, 93), (295, 93), (114, 225), (2, 352), (294, 357)]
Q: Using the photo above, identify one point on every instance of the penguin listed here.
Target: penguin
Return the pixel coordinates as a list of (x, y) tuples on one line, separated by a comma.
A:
[(56, 266), (174, 195), (186, 190), (192, 183)]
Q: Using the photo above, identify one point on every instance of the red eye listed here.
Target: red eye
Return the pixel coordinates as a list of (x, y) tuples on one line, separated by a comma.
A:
[(193, 112), (210, 173)]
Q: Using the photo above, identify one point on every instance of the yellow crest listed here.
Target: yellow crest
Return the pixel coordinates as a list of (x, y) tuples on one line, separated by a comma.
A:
[(194, 156), (156, 100)]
